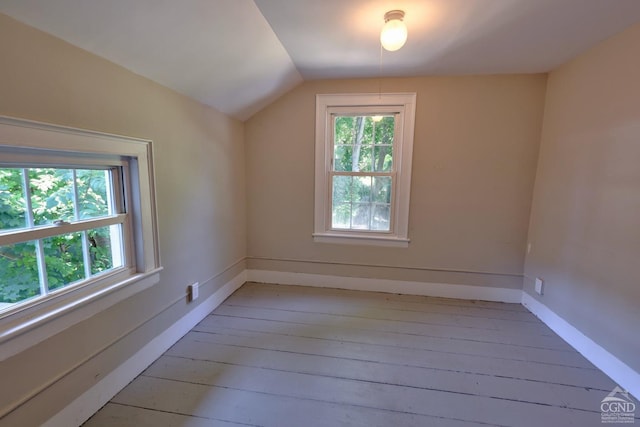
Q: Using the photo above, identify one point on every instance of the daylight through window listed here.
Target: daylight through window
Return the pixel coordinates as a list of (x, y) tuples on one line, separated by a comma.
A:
[(58, 227), (362, 175)]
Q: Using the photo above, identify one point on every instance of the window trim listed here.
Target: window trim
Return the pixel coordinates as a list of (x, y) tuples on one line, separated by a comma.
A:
[(403, 105), (34, 322)]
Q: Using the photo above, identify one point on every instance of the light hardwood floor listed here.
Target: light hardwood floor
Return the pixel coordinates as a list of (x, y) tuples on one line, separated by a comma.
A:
[(293, 356)]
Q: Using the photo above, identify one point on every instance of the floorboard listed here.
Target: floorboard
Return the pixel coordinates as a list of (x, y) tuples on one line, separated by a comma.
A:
[(276, 355)]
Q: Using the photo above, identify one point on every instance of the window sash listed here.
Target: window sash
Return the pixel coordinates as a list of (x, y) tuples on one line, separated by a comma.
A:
[(331, 172), (348, 173), (21, 235), (336, 112), (329, 213), (123, 256)]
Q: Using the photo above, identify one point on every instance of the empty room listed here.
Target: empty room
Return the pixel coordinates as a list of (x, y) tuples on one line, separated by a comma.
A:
[(310, 213)]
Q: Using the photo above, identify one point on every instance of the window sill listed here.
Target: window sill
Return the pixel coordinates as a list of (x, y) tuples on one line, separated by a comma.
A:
[(361, 239), (32, 326)]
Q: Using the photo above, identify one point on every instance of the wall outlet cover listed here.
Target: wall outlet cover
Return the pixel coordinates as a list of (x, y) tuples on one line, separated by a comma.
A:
[(194, 291), (539, 285)]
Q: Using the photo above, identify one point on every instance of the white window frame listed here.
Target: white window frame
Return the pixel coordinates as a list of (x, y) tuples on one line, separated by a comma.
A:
[(24, 142), (402, 105)]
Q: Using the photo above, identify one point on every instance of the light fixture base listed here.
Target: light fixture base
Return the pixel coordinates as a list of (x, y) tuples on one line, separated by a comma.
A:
[(394, 14)]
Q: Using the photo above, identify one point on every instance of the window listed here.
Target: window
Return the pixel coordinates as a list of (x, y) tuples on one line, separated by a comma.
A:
[(58, 227), (364, 145), (77, 220)]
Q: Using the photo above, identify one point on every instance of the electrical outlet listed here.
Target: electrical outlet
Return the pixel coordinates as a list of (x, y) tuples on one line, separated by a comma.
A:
[(539, 285), (528, 248), (193, 291)]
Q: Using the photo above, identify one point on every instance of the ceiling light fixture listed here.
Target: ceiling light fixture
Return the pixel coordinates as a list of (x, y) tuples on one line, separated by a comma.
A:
[(394, 32)]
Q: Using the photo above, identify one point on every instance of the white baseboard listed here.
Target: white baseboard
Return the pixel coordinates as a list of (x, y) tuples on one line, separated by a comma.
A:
[(389, 286), (617, 370), (83, 407)]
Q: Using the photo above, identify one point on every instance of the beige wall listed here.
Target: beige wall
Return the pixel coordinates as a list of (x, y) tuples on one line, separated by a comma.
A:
[(199, 156), (475, 151), (585, 222), (475, 154)]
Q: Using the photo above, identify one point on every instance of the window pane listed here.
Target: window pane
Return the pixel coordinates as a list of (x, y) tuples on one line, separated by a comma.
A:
[(341, 215), (381, 189), (343, 158), (384, 130), (103, 245), (93, 193), (18, 272), (12, 201), (383, 158), (341, 189), (63, 259), (344, 130), (361, 189), (364, 154), (367, 137), (360, 217), (381, 217), (51, 195), (353, 137), (358, 130)]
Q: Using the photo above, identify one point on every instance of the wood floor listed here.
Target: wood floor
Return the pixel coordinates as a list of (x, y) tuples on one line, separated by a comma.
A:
[(293, 356)]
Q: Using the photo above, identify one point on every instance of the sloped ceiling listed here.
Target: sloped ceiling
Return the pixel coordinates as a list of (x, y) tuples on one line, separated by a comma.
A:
[(239, 55)]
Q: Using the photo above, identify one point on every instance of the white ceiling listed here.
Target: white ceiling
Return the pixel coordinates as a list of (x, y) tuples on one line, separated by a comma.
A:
[(239, 55)]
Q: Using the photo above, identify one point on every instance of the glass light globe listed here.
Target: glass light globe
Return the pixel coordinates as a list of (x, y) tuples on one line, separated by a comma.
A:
[(393, 35)]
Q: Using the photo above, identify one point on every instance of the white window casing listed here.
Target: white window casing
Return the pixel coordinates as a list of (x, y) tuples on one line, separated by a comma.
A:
[(24, 143), (402, 107)]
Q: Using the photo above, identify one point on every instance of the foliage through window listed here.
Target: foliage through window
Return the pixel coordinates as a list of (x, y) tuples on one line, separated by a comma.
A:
[(362, 174), (364, 145), (63, 225)]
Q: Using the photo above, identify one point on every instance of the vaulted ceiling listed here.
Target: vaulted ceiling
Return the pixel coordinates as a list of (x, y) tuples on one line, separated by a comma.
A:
[(240, 55)]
